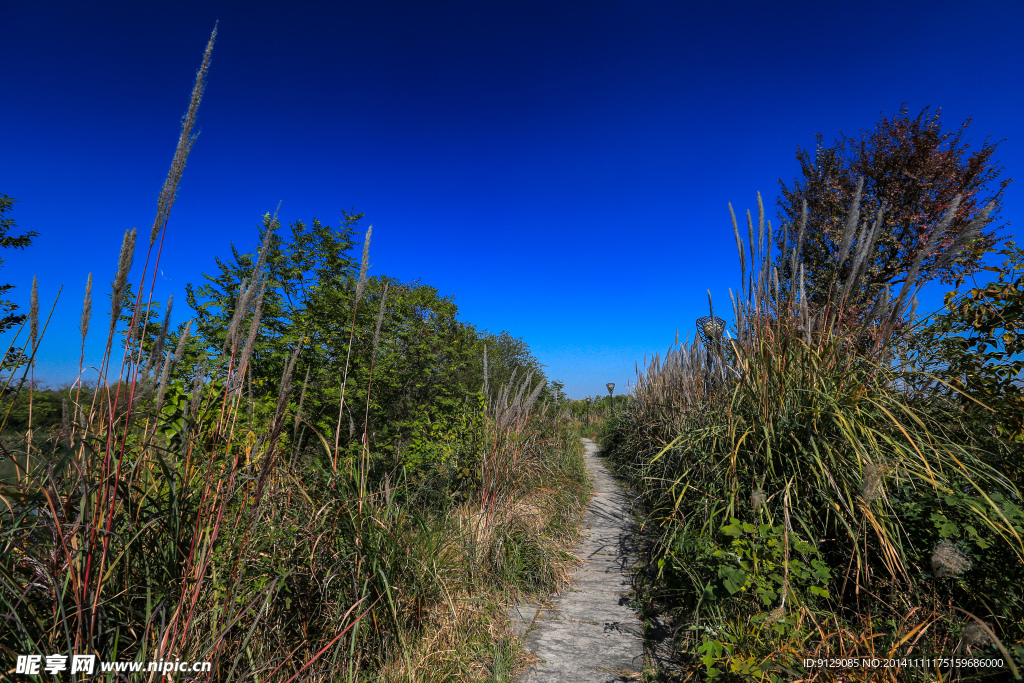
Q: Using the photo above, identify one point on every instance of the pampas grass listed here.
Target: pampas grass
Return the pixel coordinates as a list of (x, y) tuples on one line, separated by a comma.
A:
[(809, 400), (364, 266), (86, 318), (169, 191)]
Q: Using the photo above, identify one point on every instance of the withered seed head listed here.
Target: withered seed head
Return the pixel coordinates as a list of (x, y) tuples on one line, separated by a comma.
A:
[(947, 560)]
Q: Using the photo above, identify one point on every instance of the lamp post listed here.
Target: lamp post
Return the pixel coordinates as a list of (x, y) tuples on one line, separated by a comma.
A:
[(711, 328), (611, 395)]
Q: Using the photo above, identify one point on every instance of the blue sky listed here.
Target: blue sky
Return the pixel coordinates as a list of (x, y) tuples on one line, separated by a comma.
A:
[(561, 168)]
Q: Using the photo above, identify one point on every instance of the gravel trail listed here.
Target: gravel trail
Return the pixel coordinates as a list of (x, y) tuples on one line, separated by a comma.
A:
[(588, 633)]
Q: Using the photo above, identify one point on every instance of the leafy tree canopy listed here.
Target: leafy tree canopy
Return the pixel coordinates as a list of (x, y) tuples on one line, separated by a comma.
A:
[(912, 170), (8, 318), (425, 364)]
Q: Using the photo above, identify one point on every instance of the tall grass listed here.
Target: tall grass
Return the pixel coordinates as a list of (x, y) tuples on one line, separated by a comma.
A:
[(161, 521), (804, 501)]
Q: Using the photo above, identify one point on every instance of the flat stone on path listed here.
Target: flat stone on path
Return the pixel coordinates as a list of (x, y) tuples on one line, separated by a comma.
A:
[(589, 634)]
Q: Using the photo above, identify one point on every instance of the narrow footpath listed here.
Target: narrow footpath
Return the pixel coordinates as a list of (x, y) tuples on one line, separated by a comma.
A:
[(588, 633)]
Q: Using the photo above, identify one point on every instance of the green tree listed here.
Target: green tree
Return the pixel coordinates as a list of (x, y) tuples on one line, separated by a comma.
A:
[(8, 318), (306, 294), (975, 345), (912, 169), (508, 359), (413, 373), (423, 370)]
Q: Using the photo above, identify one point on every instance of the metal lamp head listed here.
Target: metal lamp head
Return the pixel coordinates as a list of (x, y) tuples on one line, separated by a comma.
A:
[(610, 386), (710, 328)]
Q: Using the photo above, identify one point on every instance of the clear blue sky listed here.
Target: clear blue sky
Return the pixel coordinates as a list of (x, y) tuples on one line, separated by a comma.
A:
[(562, 168)]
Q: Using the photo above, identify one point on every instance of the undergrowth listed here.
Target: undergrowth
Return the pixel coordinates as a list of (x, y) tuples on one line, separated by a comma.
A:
[(828, 482), (198, 501)]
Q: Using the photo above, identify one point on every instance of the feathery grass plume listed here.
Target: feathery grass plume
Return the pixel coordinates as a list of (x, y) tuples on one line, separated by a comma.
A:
[(798, 250), (86, 317), (197, 388), (364, 266), (785, 239), (924, 252), (880, 308), (751, 248), (764, 233), (380, 319), (360, 286), (758, 499), (741, 248), (968, 234), (533, 396), (518, 397), (804, 315), (740, 309), (766, 252), (487, 392), (164, 374), (760, 226), (236, 315), (248, 293), (180, 348), (858, 257), (974, 634), (863, 259), (266, 244), (286, 390), (169, 191), (298, 411), (944, 223), (910, 284), (250, 340), (850, 228), (948, 561), (33, 321), (509, 411), (502, 399), (157, 353), (871, 488), (751, 245), (752, 254), (65, 423), (369, 385), (801, 228), (737, 313), (248, 290), (33, 316), (120, 283)]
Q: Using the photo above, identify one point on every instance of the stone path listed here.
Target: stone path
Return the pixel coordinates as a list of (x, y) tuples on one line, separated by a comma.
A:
[(588, 634)]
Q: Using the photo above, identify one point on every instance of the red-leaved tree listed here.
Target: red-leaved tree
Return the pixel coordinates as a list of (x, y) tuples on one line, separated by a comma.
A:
[(912, 169)]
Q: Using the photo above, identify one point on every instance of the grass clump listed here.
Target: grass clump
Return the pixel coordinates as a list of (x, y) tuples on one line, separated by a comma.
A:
[(812, 492)]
